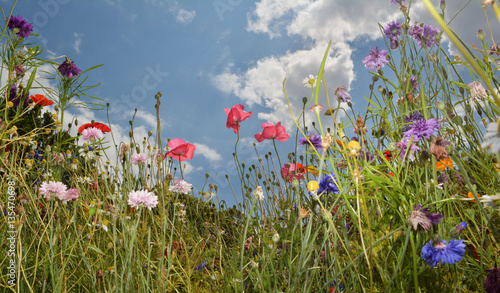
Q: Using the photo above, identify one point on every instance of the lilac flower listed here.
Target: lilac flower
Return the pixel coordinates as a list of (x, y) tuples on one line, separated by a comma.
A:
[(68, 68), (423, 129), (315, 141), (393, 30), (451, 252), (342, 94), (20, 26), (181, 186), (492, 281), (425, 35), (70, 194), (139, 159), (421, 217), (51, 189), (495, 49), (327, 184), (413, 82), (404, 145), (397, 1), (148, 199), (376, 59)]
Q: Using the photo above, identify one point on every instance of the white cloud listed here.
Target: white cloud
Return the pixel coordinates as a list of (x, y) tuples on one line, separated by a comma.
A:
[(185, 16), (78, 42), (207, 152), (149, 119)]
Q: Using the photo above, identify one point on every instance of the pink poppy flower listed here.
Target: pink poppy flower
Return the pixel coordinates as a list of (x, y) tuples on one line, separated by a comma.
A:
[(293, 171), (235, 115), (272, 132), (180, 150)]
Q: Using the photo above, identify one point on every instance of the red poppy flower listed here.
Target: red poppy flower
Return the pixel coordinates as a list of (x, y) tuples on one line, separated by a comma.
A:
[(387, 155), (41, 100), (103, 127), (180, 150)]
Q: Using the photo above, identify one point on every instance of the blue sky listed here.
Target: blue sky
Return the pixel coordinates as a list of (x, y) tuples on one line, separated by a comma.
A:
[(208, 55)]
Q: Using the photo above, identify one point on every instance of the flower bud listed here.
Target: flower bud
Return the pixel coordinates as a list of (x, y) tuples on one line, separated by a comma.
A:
[(440, 105), (276, 237), (456, 231), (480, 34)]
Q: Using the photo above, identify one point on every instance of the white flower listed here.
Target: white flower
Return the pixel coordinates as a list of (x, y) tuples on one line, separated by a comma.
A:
[(309, 81), (92, 133), (258, 193), (139, 159), (492, 137), (181, 186), (490, 201)]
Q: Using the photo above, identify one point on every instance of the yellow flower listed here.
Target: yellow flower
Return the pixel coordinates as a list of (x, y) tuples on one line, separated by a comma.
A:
[(10, 104), (353, 147), (312, 186)]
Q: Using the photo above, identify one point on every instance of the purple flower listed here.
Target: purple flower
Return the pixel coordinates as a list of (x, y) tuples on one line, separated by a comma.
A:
[(342, 94), (376, 59), (423, 129), (392, 30), (457, 230), (68, 68), (397, 1), (495, 49), (492, 281), (411, 119), (327, 183), (20, 26), (421, 217), (16, 99), (315, 141), (413, 82), (404, 145), (451, 252), (424, 35)]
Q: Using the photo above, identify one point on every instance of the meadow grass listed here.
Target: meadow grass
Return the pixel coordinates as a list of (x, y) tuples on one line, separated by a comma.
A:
[(407, 205)]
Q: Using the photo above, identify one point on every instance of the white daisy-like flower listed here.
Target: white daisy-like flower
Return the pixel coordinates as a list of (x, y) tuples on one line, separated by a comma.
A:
[(490, 201), (492, 137), (310, 81), (259, 193)]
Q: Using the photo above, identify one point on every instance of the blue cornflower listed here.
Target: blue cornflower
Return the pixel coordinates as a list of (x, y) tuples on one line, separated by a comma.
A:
[(315, 141), (327, 184), (451, 252), (200, 267)]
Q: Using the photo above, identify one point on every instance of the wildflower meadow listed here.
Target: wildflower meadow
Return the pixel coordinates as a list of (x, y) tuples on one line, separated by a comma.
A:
[(409, 203)]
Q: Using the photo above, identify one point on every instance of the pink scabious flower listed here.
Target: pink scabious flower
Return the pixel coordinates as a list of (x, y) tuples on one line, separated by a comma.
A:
[(144, 197), (53, 189), (181, 186), (139, 159), (272, 132), (92, 133), (72, 193), (235, 116)]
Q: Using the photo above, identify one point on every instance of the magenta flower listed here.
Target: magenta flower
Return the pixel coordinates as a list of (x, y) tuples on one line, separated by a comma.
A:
[(144, 197), (272, 132), (492, 281), (19, 26), (53, 189), (342, 94), (376, 59), (68, 68), (235, 116), (139, 159), (180, 150), (289, 172)]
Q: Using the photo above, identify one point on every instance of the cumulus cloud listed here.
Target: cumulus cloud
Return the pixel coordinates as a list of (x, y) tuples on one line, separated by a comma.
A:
[(77, 42), (207, 152)]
